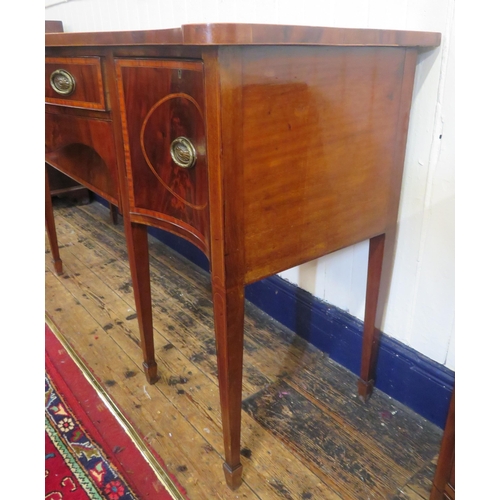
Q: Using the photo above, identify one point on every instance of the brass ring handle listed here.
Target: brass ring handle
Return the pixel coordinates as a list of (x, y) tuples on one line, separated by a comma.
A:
[(62, 82), (182, 152)]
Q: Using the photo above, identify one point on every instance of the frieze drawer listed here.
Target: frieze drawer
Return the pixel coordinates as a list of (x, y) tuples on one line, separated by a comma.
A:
[(75, 82)]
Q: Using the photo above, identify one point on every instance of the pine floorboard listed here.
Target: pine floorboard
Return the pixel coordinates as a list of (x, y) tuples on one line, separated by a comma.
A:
[(305, 434)]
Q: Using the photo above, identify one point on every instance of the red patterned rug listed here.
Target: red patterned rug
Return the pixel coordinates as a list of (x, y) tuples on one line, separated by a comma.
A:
[(88, 455)]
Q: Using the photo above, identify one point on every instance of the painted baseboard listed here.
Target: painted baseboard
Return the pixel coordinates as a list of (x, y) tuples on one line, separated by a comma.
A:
[(402, 373)]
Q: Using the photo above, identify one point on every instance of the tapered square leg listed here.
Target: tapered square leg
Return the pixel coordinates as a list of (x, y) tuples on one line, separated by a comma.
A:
[(443, 485), (113, 213), (229, 317), (137, 243), (51, 227), (233, 476), (371, 334)]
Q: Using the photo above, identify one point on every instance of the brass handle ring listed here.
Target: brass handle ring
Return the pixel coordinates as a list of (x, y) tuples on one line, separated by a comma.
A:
[(182, 152), (62, 82)]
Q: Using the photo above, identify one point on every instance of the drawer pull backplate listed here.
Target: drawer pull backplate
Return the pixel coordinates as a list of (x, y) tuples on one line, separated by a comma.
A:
[(62, 82), (182, 152)]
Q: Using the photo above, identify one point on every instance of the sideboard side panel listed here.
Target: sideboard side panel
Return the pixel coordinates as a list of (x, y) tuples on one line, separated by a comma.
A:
[(320, 125)]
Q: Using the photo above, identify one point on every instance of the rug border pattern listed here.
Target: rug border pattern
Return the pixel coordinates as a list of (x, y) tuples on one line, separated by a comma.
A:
[(80, 466), (176, 491)]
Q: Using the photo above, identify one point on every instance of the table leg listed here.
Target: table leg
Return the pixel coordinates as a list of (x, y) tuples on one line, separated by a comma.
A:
[(51, 227), (229, 311), (443, 485), (113, 212), (138, 253), (371, 334)]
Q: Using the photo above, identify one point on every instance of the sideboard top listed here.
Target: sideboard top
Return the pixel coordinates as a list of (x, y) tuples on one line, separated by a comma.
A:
[(248, 34)]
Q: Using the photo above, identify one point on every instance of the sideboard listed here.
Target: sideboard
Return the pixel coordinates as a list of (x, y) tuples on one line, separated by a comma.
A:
[(265, 146)]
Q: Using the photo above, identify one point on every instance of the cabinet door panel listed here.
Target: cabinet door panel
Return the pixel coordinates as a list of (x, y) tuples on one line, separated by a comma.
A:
[(162, 101)]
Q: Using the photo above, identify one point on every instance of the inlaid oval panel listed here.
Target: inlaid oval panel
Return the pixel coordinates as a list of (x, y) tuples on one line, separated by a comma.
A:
[(173, 117)]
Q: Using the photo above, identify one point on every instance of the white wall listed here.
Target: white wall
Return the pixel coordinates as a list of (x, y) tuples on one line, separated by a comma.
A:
[(420, 308)]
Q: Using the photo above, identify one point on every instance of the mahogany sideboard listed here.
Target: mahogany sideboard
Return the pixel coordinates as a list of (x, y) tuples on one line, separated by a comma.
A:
[(265, 146)]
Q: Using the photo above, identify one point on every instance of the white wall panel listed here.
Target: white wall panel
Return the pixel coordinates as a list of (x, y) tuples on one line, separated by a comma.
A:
[(420, 306)]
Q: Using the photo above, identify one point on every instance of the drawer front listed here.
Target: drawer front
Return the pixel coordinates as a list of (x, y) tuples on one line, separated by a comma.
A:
[(83, 149), (75, 82), (162, 109)]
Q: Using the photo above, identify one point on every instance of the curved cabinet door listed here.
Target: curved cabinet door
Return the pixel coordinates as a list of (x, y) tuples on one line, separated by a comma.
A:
[(162, 110)]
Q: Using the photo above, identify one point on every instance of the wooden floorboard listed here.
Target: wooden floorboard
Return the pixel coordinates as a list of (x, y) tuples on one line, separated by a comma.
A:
[(304, 433)]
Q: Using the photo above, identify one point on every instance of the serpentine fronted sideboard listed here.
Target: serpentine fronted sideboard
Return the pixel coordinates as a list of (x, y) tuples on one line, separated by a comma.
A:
[(265, 146)]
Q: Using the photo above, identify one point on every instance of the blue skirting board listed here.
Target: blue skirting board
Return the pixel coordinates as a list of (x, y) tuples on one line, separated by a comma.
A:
[(402, 373)]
